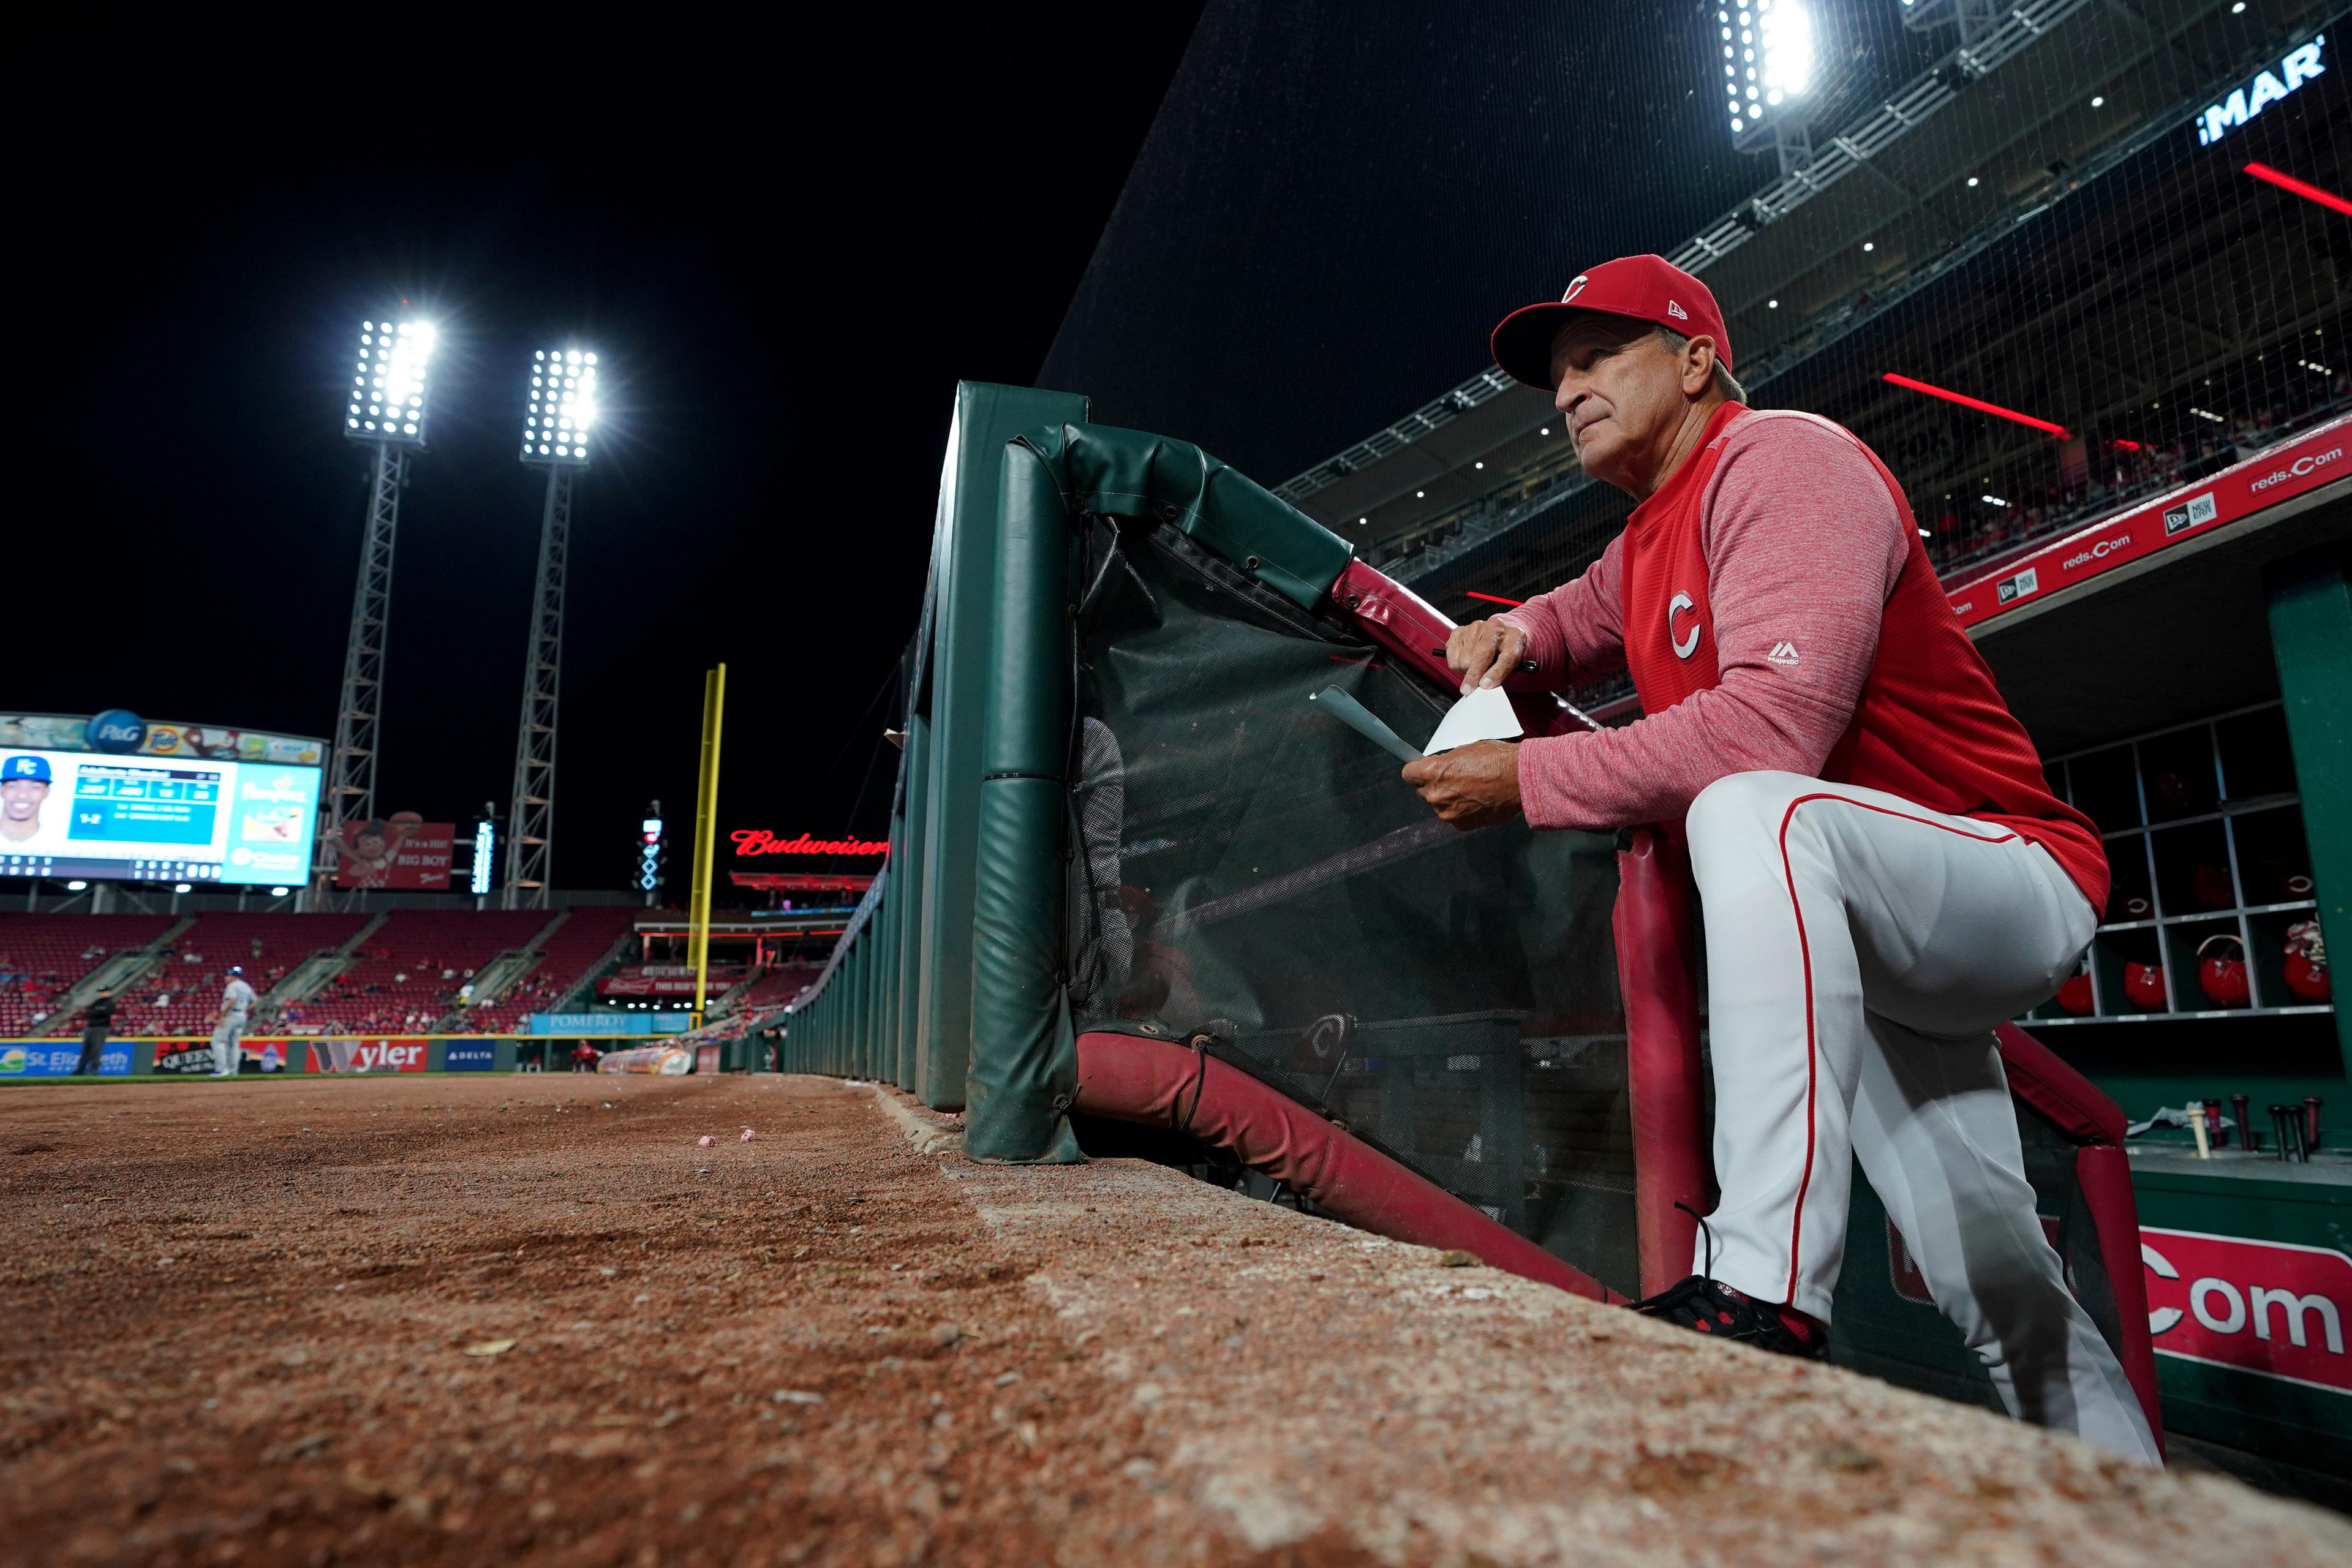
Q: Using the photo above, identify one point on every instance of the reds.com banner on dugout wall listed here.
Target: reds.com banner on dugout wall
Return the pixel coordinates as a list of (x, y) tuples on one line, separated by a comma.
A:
[(2274, 1308), (2263, 480)]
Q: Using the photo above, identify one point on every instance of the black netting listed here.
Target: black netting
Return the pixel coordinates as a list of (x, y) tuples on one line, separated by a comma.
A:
[(1244, 866), (2167, 310)]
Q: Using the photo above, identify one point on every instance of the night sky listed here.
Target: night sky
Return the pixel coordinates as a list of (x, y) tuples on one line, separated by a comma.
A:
[(786, 249)]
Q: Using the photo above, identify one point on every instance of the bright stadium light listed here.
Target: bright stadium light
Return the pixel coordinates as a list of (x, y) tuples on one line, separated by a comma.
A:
[(387, 411), (1768, 56), (558, 431), (388, 382), (562, 406)]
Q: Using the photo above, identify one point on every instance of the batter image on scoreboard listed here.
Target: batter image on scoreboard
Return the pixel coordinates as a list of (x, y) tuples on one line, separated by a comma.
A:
[(24, 791)]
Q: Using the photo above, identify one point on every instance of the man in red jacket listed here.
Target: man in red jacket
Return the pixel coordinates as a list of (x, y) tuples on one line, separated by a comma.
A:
[(1884, 871)]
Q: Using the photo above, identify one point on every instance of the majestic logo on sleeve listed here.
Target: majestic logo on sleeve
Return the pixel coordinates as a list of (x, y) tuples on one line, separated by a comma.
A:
[(1575, 287), (1783, 653), (1684, 644)]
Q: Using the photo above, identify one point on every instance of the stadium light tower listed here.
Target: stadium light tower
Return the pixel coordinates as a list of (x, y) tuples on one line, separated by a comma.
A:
[(1767, 76), (555, 436), (387, 412)]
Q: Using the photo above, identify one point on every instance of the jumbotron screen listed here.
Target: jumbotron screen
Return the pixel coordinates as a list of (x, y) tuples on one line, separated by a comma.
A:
[(154, 819)]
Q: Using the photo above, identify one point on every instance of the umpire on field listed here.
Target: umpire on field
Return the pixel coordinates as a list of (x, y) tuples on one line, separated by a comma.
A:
[(1885, 873), (96, 1020)]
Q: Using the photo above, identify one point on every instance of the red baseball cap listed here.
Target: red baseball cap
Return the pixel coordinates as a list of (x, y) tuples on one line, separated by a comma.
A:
[(1644, 288)]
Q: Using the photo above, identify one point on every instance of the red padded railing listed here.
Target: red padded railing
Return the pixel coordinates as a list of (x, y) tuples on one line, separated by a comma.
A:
[(1163, 1084), (2074, 1105), (1657, 975)]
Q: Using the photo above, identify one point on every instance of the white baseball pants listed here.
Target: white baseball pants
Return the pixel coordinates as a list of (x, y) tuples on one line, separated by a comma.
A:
[(228, 1051), (1860, 950)]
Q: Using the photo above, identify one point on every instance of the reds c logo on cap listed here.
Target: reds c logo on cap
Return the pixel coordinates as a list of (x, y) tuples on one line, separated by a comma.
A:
[(1640, 287)]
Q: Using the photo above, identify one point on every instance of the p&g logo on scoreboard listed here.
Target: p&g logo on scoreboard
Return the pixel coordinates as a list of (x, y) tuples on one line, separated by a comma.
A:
[(116, 729)]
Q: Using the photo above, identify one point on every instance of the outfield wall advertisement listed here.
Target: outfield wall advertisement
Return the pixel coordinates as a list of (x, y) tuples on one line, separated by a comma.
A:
[(149, 819), (56, 1058), (190, 1056)]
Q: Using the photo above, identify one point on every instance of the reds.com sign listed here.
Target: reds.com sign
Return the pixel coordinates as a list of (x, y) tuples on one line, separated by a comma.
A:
[(2263, 480), (2266, 1307), (2272, 1308)]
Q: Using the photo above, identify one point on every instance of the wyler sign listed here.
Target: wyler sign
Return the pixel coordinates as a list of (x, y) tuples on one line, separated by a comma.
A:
[(2270, 1308), (751, 841), (366, 1055)]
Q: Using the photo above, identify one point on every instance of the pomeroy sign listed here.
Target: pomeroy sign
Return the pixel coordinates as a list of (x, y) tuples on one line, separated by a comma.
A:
[(2270, 1308), (760, 841), (366, 1055), (2263, 480)]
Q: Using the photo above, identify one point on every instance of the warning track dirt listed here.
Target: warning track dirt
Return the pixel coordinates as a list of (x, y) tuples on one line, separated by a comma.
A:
[(532, 1320)]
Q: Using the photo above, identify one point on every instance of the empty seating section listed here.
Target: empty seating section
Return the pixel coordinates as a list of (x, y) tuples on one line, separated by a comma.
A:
[(409, 970), (180, 996), (776, 986), (565, 960), (41, 957)]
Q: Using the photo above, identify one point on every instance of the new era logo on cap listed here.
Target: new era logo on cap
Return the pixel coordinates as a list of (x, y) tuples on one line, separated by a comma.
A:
[(1643, 288)]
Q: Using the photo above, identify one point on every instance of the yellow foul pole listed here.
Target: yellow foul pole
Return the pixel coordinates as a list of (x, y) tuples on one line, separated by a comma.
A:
[(706, 830)]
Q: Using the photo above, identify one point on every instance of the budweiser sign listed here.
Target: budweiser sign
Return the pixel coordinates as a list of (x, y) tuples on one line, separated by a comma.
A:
[(2270, 1308), (760, 841)]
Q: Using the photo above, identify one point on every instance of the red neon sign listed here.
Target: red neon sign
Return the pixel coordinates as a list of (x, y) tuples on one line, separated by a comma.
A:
[(1978, 403), (2287, 182), (1492, 598), (760, 841)]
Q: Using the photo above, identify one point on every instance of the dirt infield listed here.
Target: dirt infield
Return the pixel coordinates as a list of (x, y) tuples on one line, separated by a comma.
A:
[(530, 1318)]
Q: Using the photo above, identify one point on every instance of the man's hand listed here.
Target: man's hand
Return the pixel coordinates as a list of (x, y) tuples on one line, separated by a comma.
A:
[(1476, 785), (1485, 652)]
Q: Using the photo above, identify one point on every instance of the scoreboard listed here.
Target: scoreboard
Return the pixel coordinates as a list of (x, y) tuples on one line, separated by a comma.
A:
[(136, 818)]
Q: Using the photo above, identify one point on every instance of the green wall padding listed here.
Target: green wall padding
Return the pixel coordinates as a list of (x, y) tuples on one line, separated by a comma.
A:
[(1130, 473), (964, 555)]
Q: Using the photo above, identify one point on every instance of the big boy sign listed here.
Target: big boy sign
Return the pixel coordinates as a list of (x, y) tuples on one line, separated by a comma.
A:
[(2266, 1307)]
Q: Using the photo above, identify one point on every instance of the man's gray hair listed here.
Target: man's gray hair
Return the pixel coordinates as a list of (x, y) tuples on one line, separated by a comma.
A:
[(1730, 389)]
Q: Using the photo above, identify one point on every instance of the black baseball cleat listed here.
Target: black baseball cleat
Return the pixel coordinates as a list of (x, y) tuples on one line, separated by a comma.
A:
[(1708, 1306)]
